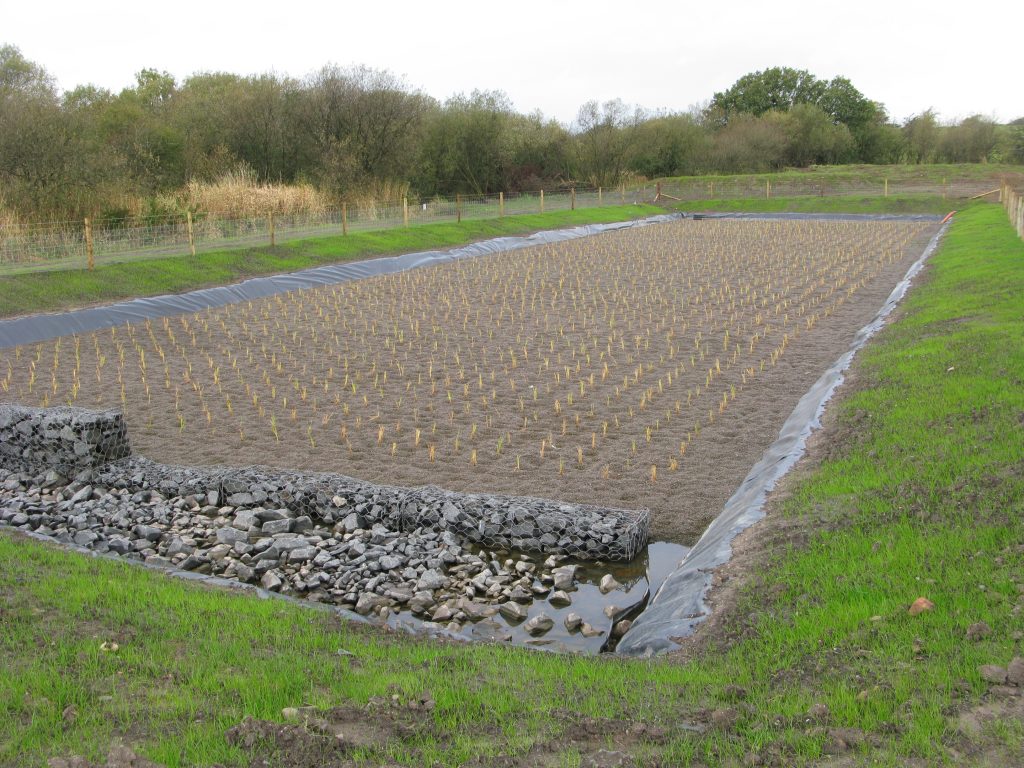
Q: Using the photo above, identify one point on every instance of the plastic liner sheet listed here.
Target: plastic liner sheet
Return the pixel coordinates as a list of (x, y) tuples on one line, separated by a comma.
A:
[(33, 328), (680, 604)]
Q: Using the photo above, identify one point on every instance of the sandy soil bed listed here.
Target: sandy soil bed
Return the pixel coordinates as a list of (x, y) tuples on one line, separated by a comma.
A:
[(647, 368)]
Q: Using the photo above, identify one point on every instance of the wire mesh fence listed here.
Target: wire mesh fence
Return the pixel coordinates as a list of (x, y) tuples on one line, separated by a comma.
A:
[(81, 244)]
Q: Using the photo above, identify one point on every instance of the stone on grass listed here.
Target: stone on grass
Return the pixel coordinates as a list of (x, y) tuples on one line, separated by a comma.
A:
[(978, 631), (992, 673), (920, 605), (1015, 671)]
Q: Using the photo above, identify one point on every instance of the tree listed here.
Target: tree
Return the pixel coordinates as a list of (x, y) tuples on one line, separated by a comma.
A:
[(604, 136), (18, 75), (467, 145), (751, 143), (971, 141), (921, 136), (774, 89), (813, 138), (669, 145)]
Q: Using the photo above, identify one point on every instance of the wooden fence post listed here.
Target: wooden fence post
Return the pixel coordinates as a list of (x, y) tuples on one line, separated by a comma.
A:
[(542, 201), (600, 197), (622, 193), (405, 212), (458, 209), (711, 190), (572, 198), (501, 203), (90, 256), (767, 189), (344, 218), (270, 227), (886, 188), (191, 233)]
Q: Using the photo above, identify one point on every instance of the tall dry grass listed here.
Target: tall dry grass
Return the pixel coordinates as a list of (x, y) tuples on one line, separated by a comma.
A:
[(373, 199), (239, 194)]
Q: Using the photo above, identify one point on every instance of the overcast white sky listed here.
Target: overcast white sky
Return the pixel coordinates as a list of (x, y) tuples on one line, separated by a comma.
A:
[(554, 55)]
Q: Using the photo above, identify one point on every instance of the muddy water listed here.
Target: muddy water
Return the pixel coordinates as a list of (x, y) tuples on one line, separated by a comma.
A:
[(638, 578)]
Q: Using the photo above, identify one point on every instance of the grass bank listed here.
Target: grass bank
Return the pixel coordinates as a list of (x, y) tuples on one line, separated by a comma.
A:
[(66, 289), (917, 491), (937, 173), (873, 204)]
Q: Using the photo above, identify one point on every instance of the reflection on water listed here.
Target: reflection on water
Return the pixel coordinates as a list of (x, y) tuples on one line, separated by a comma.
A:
[(646, 571)]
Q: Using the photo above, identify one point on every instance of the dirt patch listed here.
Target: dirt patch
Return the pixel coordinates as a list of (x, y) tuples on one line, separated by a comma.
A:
[(648, 368)]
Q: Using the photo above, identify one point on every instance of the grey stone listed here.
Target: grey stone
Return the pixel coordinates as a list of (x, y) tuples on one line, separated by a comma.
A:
[(277, 526), (539, 624), (245, 519), (83, 494), (422, 602), (1015, 671), (353, 522), (389, 562), (573, 622), (608, 584), (431, 580), (147, 532), (302, 554), (367, 602), (513, 611), (119, 545), (560, 599), (85, 538), (491, 631), (271, 582), (231, 535)]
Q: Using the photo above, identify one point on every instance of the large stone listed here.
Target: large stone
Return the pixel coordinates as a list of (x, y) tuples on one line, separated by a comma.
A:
[(271, 581), (513, 611), (1015, 671), (231, 536), (539, 624), (431, 580), (270, 527)]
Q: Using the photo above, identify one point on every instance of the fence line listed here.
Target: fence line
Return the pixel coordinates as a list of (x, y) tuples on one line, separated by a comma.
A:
[(69, 245), (1013, 202)]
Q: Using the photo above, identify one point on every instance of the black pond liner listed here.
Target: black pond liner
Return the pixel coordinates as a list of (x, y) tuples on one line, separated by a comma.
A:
[(680, 603), (40, 327)]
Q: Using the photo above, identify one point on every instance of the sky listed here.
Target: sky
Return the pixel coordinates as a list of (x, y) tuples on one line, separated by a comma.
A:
[(552, 56)]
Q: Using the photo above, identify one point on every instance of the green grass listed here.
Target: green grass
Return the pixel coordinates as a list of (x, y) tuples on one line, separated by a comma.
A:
[(875, 204), (933, 173), (65, 289), (920, 493)]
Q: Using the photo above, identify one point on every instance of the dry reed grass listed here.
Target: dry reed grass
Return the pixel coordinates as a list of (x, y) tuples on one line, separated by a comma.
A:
[(373, 199), (238, 194)]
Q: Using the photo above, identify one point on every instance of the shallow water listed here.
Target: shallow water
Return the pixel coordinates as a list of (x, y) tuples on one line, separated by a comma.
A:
[(645, 572)]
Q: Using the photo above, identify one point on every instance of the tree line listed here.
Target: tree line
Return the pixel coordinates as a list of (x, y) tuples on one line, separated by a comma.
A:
[(356, 131)]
